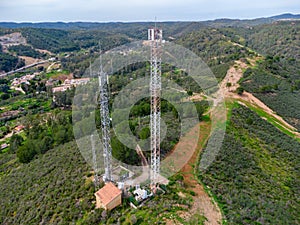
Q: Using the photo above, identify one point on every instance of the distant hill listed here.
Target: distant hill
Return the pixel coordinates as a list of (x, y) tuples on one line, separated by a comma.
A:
[(120, 25), (286, 16)]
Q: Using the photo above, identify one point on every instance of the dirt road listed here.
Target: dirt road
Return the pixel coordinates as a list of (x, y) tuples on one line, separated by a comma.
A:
[(203, 204), (234, 74)]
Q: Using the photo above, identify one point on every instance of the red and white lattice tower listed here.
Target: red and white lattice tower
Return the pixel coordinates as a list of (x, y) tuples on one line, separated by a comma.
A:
[(155, 38)]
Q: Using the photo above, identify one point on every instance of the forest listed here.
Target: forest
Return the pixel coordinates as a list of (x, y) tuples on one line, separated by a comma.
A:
[(9, 62), (25, 50)]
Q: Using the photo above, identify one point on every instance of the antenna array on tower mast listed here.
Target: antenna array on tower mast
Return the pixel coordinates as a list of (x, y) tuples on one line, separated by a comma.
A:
[(155, 38), (105, 122)]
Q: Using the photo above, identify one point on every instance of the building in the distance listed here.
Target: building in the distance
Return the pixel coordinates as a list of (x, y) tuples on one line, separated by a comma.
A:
[(108, 197), (61, 88), (68, 84)]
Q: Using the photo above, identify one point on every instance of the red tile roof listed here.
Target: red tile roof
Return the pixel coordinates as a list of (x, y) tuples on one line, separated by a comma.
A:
[(108, 193)]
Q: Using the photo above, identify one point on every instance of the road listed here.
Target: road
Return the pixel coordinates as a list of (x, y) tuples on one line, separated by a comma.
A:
[(23, 68), (234, 74)]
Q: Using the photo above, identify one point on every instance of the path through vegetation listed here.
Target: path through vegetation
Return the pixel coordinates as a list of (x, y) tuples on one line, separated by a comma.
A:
[(230, 84), (203, 204)]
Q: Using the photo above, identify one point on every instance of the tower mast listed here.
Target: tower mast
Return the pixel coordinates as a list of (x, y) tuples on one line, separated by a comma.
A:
[(155, 38), (95, 166), (105, 122), (94, 157)]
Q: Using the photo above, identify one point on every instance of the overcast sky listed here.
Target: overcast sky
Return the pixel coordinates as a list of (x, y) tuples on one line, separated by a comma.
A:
[(140, 10)]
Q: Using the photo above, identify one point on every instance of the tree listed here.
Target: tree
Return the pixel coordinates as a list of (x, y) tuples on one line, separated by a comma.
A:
[(5, 96), (26, 152), (123, 153), (190, 93), (60, 136), (144, 133), (15, 142), (4, 88), (240, 90), (45, 144)]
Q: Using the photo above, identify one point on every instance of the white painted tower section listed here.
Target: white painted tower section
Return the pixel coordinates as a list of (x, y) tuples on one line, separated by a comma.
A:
[(155, 38)]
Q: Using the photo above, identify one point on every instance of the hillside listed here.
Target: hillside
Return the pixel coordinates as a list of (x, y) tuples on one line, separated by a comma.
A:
[(276, 78), (255, 178), (120, 26), (54, 188), (57, 188)]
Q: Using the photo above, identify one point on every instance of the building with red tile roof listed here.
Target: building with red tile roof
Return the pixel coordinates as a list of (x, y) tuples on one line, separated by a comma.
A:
[(108, 197)]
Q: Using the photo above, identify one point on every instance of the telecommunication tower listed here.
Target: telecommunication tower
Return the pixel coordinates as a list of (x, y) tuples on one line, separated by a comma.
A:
[(105, 122), (95, 165), (155, 38), (94, 157)]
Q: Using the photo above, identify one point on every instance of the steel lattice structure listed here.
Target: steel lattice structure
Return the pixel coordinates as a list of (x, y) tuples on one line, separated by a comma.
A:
[(95, 165), (155, 38), (105, 123)]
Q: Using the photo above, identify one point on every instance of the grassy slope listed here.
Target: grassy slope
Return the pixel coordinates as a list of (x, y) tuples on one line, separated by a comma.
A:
[(279, 43), (51, 189), (271, 119), (55, 188), (255, 177)]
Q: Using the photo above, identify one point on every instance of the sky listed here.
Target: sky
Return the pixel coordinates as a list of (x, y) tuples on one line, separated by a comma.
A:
[(140, 10)]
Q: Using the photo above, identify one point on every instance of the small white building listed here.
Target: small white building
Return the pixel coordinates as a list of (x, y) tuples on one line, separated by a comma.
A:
[(140, 194)]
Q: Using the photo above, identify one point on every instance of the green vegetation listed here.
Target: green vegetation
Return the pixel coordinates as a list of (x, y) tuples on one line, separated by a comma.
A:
[(59, 186), (51, 189), (42, 136), (271, 119), (254, 177), (216, 49), (275, 79), (44, 180), (63, 99), (123, 153), (9, 62), (57, 41), (275, 82), (25, 50), (15, 142), (240, 90), (267, 40), (55, 74)]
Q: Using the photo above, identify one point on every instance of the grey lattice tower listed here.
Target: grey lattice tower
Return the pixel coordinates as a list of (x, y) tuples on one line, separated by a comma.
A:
[(105, 122), (95, 165)]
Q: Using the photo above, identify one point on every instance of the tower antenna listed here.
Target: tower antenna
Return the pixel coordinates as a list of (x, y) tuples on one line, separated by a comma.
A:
[(105, 121), (95, 165), (155, 38), (94, 157)]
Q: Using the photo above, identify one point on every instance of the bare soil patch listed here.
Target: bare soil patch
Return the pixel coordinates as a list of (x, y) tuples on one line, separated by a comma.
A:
[(234, 74), (203, 204), (28, 60)]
